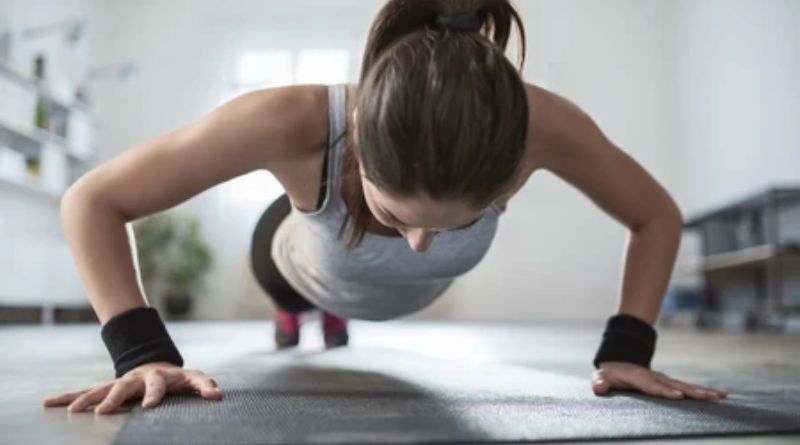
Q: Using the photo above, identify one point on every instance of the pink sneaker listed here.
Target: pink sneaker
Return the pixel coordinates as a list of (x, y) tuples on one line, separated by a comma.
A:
[(335, 330), (287, 328)]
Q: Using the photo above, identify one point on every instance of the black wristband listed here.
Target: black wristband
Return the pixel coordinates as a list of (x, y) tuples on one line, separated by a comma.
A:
[(627, 339), (138, 336)]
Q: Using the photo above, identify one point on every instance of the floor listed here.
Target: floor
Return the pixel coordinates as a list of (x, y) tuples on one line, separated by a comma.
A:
[(41, 361)]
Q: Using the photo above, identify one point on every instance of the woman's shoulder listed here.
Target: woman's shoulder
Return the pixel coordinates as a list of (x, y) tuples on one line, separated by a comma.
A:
[(294, 121), (553, 122), (549, 117), (300, 111)]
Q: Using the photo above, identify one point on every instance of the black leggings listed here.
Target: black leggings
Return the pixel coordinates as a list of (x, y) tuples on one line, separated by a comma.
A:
[(267, 275)]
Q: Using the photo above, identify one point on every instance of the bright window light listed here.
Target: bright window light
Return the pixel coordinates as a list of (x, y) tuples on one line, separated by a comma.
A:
[(264, 69), (322, 66), (259, 69), (254, 190)]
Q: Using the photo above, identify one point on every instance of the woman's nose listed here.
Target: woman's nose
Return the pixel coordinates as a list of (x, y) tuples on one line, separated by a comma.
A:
[(418, 239)]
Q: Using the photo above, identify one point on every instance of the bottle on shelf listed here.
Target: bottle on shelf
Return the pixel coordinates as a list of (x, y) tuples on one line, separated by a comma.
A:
[(39, 67), (41, 117), (33, 167), (5, 43)]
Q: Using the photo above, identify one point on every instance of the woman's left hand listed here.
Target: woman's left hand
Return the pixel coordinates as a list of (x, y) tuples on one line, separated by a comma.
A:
[(621, 375)]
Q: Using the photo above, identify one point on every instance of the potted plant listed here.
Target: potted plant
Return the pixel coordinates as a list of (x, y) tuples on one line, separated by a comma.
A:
[(172, 254)]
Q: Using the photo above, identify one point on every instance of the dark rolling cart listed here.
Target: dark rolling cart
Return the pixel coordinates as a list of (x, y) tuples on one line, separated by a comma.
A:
[(751, 260)]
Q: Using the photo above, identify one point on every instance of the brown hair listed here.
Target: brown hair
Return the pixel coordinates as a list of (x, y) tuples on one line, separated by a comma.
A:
[(441, 111)]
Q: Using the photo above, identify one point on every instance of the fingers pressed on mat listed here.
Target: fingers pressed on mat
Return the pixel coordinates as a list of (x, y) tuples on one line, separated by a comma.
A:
[(88, 398), (693, 389), (120, 392), (599, 385), (64, 399), (654, 387), (206, 386), (155, 388)]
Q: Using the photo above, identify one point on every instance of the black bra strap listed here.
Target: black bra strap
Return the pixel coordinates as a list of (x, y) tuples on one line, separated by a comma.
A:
[(323, 189)]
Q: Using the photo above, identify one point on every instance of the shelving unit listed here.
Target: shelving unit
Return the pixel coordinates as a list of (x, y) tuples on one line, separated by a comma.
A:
[(39, 136), (37, 165), (9, 71), (19, 133), (755, 241), (31, 188)]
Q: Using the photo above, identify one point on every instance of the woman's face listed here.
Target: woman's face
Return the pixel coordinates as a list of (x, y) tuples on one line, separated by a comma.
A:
[(419, 219)]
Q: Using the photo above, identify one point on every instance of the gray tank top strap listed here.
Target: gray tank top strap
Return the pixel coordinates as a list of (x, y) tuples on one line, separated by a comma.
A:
[(337, 142), (337, 125)]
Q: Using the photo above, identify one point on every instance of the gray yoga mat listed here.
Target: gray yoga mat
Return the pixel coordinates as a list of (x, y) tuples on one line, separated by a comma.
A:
[(383, 396)]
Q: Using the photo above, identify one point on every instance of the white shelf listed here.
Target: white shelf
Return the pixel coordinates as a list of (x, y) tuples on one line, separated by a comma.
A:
[(746, 257), (9, 71), (31, 187), (740, 258), (39, 136), (19, 134)]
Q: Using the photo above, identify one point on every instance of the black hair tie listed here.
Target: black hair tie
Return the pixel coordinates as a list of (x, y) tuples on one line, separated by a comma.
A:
[(463, 20)]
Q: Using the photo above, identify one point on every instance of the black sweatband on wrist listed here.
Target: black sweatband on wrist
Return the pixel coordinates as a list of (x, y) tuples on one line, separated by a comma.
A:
[(627, 339), (138, 336)]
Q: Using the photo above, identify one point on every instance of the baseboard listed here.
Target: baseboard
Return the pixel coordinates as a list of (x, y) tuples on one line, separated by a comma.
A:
[(33, 315)]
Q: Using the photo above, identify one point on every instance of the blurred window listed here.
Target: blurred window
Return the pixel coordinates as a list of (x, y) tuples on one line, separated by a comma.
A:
[(265, 69)]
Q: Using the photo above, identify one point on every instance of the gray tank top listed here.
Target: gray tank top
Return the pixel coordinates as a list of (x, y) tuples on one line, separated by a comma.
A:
[(383, 277)]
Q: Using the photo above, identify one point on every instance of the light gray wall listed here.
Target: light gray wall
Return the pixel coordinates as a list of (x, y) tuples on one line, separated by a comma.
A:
[(739, 97)]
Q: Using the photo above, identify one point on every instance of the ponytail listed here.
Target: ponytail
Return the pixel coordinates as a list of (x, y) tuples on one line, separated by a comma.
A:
[(399, 18)]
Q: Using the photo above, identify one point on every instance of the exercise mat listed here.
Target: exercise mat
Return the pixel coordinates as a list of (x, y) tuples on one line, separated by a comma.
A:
[(371, 396)]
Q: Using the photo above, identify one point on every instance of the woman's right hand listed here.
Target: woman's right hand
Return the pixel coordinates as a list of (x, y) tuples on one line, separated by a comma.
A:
[(150, 381)]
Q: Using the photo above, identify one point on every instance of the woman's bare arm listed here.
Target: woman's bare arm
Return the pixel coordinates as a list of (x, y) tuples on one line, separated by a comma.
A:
[(577, 151), (265, 129)]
